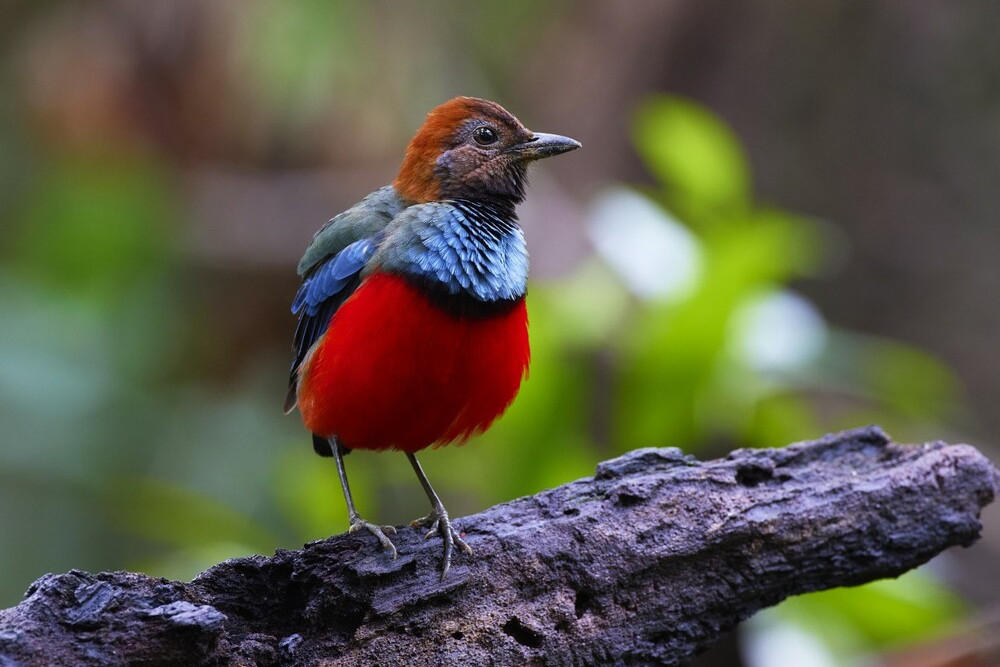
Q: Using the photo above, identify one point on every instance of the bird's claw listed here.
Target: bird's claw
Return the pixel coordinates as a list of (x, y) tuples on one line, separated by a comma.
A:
[(357, 523), (440, 525)]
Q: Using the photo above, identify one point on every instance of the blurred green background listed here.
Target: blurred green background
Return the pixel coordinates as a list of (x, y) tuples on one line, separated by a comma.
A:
[(783, 222)]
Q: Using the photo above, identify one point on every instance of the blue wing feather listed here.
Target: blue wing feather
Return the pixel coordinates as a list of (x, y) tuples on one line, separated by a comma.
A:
[(330, 277), (331, 268), (322, 292)]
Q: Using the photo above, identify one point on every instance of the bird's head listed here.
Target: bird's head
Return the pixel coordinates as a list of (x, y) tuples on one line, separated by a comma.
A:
[(469, 148)]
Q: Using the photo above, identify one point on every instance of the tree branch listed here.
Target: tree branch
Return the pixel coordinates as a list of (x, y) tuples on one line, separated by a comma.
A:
[(649, 561)]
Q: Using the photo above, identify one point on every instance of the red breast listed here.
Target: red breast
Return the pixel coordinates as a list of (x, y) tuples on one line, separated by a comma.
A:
[(393, 370)]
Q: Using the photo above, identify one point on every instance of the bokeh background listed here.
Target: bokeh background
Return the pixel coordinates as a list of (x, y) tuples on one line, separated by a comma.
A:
[(784, 221)]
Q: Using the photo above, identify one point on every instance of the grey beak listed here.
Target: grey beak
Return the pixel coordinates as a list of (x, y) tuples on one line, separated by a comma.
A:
[(542, 145)]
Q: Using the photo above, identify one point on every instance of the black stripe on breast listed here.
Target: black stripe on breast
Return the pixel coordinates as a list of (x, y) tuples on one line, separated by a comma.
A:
[(462, 304)]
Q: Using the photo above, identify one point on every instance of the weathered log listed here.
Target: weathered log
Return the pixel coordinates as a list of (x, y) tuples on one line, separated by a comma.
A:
[(648, 561)]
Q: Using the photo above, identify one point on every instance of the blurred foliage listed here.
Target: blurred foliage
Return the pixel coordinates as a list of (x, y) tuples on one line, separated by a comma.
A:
[(855, 623), (882, 613), (696, 157), (730, 361), (683, 329)]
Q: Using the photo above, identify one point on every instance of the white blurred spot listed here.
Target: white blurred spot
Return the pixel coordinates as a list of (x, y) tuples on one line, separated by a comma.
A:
[(783, 645), (654, 254), (778, 331)]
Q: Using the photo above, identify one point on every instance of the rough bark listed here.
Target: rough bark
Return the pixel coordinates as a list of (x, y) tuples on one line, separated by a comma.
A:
[(647, 562)]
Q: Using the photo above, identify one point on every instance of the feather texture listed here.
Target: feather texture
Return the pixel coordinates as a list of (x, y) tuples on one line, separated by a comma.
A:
[(330, 268), (394, 371), (461, 246)]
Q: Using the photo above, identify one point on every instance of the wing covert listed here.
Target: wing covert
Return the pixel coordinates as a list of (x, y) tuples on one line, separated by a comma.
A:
[(330, 267), (366, 218)]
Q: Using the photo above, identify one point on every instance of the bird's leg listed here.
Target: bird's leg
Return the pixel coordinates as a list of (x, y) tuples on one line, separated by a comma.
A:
[(357, 523), (437, 519)]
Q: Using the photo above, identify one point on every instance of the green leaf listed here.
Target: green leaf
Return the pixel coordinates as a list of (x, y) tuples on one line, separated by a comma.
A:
[(694, 154)]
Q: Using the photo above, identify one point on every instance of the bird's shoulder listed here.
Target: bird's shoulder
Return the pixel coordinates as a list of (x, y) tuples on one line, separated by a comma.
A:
[(330, 269), (458, 246), (366, 219)]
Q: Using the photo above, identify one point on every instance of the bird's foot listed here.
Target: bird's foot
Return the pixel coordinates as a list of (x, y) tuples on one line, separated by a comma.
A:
[(357, 523), (440, 524)]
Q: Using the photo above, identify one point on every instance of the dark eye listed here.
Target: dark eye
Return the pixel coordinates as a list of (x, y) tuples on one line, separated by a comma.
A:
[(485, 135)]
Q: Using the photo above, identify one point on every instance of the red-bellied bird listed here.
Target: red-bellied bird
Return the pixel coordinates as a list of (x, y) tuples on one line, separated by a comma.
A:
[(412, 326)]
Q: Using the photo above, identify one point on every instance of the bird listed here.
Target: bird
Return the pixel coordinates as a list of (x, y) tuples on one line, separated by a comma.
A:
[(412, 329)]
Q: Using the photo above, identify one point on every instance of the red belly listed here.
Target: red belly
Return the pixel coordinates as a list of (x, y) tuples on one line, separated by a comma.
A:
[(395, 371)]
